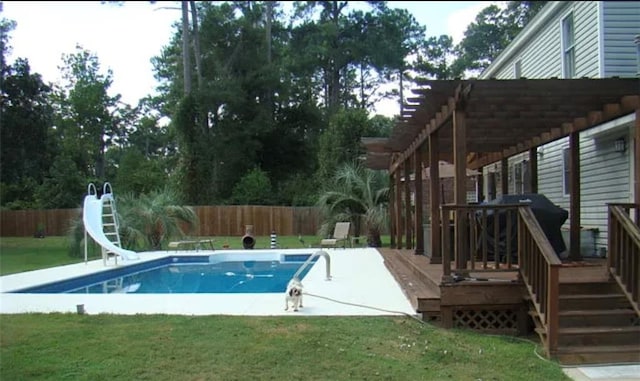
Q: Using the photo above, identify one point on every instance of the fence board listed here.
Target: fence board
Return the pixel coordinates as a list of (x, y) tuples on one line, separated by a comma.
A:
[(213, 220)]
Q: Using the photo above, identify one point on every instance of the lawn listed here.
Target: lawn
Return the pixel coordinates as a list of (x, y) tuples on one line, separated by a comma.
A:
[(162, 347), (158, 347)]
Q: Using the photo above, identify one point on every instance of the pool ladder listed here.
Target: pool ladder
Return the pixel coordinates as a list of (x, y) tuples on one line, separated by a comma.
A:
[(327, 261)]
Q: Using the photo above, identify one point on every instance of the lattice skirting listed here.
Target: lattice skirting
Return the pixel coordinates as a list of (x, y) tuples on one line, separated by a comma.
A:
[(483, 319)]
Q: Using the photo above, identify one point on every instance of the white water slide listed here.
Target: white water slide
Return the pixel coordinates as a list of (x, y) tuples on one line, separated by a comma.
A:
[(94, 224)]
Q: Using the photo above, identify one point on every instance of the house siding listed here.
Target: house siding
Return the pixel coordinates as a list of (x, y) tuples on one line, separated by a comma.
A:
[(542, 55), (605, 175), (586, 31), (621, 23)]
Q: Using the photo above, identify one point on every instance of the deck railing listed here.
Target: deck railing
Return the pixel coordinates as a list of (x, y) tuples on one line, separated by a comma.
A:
[(540, 271), (484, 240), (624, 249), (479, 238)]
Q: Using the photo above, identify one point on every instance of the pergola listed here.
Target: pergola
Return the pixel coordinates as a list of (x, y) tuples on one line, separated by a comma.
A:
[(473, 123)]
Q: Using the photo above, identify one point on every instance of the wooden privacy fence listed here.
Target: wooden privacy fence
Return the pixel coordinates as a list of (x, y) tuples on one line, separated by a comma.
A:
[(213, 221)]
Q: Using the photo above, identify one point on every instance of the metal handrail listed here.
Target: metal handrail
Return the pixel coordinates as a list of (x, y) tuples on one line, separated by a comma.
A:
[(327, 260)]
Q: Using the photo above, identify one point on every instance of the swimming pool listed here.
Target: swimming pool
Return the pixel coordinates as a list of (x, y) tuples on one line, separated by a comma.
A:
[(357, 276), (214, 273)]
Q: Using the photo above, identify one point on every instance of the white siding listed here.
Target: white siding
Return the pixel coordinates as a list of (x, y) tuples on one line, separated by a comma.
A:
[(604, 177), (586, 20), (621, 20), (542, 55)]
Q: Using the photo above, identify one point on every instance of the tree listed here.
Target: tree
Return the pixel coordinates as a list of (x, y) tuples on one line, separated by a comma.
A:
[(253, 189), (340, 143), (25, 121), (359, 195), (85, 122), (493, 29), (433, 59)]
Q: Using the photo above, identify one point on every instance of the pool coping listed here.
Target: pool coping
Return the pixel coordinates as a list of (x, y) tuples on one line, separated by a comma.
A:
[(361, 285)]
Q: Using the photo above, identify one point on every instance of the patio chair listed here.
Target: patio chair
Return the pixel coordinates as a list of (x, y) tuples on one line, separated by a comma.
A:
[(340, 235)]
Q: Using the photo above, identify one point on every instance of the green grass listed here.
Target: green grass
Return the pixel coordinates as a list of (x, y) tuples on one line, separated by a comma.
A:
[(26, 254), (158, 347), (162, 347)]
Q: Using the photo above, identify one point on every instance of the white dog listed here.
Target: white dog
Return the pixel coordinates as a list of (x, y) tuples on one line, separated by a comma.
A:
[(294, 295)]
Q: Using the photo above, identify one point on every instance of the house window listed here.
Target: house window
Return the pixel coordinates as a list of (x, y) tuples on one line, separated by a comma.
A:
[(517, 69), (568, 47), (566, 171)]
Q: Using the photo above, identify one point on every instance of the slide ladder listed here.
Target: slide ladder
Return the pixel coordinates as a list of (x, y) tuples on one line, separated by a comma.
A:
[(110, 225)]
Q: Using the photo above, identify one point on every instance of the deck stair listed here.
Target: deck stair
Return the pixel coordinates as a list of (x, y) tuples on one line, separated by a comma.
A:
[(597, 325), (421, 291)]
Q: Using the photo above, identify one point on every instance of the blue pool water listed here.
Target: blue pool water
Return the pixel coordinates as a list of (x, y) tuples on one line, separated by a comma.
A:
[(189, 274)]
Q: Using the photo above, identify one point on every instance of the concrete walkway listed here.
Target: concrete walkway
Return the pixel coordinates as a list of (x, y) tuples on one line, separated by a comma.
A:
[(605, 373)]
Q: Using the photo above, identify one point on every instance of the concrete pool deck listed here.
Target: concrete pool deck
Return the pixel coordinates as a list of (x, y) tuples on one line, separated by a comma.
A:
[(361, 285)]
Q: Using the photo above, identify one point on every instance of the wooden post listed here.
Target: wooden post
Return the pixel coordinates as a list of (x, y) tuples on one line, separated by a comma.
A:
[(504, 176), (553, 308), (435, 252), (533, 169), (398, 215), (574, 196), (407, 203), (460, 186), (392, 212), (636, 157), (480, 185), (491, 186), (419, 231)]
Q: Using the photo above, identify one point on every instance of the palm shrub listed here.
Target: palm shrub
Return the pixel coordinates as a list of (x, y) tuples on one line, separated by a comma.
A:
[(154, 218), (359, 195)]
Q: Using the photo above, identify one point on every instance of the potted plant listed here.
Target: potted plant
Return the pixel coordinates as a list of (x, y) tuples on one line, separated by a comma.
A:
[(39, 233)]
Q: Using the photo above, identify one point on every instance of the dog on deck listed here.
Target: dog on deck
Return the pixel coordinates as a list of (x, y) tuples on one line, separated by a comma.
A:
[(293, 297)]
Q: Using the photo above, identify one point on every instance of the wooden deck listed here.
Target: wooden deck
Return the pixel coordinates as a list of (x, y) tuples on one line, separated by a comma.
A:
[(488, 301)]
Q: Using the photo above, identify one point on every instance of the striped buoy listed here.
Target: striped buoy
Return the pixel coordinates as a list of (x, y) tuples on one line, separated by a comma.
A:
[(273, 239)]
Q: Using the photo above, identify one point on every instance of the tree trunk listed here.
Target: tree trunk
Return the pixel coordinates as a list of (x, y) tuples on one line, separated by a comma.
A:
[(269, 21), (401, 92), (196, 43), (373, 238), (186, 61)]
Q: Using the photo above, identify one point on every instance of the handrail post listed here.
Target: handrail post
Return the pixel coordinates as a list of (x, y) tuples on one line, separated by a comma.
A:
[(445, 246), (553, 307)]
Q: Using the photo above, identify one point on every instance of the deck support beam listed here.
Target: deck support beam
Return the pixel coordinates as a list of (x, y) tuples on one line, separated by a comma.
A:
[(574, 196), (533, 169), (419, 231), (435, 252), (504, 176), (407, 203), (392, 212), (398, 210), (460, 184)]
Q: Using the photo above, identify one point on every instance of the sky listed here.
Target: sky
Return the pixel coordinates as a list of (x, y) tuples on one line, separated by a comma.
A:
[(124, 38)]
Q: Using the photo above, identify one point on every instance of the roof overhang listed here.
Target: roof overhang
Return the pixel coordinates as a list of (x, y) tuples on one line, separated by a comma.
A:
[(503, 117)]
